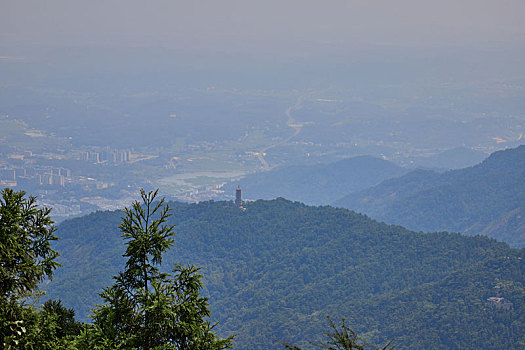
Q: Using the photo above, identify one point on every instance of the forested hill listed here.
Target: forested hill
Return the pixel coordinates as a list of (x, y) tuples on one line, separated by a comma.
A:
[(277, 269), (488, 199), (320, 183)]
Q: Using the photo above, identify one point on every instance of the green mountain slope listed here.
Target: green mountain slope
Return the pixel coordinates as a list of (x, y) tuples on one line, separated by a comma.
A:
[(276, 270), (320, 183), (488, 198)]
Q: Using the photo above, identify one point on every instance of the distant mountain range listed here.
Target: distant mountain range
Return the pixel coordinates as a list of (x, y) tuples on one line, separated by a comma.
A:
[(277, 269), (320, 183), (455, 158), (488, 199)]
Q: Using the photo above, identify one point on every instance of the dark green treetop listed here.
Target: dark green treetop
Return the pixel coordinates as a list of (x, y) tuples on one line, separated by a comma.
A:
[(147, 309), (26, 257), (343, 339)]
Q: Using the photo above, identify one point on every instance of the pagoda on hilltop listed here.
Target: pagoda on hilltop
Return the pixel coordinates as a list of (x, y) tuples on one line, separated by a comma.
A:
[(238, 197)]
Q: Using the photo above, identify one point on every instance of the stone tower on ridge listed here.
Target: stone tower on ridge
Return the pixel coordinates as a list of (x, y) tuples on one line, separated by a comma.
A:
[(238, 197)]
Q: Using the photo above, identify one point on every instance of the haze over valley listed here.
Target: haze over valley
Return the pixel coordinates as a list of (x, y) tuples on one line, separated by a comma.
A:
[(114, 125)]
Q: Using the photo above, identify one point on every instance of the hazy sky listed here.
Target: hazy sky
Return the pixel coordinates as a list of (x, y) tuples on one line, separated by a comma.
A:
[(261, 24)]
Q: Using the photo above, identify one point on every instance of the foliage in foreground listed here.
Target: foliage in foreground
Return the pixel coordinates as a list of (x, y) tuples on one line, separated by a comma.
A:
[(26, 258), (147, 309), (143, 309)]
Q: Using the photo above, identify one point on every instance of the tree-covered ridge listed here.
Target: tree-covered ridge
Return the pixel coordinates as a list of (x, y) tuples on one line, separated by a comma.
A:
[(276, 270), (487, 198)]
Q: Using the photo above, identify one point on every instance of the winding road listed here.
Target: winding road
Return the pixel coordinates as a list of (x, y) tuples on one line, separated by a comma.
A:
[(292, 123)]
